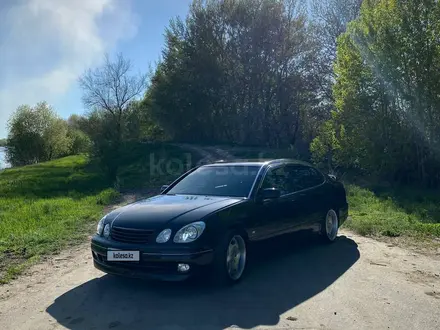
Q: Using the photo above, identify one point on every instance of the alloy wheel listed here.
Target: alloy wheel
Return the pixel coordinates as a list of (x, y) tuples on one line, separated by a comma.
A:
[(236, 257), (331, 225)]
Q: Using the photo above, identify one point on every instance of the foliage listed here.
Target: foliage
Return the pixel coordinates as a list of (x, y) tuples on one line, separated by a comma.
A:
[(36, 134), (387, 92), (150, 129), (329, 19), (99, 126), (80, 141), (106, 145), (147, 166), (233, 68), (3, 143), (109, 91)]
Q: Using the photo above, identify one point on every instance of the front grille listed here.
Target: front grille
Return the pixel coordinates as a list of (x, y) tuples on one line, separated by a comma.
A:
[(130, 235)]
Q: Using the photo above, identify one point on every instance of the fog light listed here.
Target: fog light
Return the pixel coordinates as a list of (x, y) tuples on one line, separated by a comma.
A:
[(183, 268)]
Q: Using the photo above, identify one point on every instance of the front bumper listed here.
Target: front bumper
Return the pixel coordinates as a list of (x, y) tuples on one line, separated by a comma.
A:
[(153, 263)]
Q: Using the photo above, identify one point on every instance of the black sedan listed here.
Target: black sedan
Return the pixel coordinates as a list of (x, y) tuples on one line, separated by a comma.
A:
[(208, 216)]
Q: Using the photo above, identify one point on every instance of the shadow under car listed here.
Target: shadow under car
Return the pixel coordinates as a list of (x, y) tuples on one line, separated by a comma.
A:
[(280, 276)]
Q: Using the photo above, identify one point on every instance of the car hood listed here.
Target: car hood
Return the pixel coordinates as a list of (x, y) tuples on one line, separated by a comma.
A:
[(157, 211)]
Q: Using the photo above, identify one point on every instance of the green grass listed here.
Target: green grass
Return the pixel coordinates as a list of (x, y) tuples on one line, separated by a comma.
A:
[(393, 212), (47, 207)]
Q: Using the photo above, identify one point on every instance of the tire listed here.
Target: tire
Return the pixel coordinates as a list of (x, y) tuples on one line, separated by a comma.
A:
[(330, 226), (230, 259)]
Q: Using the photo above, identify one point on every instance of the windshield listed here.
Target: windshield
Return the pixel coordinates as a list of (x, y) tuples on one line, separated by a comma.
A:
[(232, 181)]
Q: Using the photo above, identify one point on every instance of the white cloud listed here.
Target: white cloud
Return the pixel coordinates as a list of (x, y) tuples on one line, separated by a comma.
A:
[(46, 44)]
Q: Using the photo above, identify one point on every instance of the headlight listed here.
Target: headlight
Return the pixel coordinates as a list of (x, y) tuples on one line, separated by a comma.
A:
[(164, 236), (190, 232), (100, 226), (106, 231)]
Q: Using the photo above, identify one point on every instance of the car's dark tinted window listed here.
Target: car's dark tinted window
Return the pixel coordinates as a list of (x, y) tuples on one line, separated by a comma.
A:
[(277, 178), (303, 177), (226, 180)]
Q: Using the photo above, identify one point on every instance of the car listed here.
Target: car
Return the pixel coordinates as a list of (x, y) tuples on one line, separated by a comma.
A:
[(206, 219)]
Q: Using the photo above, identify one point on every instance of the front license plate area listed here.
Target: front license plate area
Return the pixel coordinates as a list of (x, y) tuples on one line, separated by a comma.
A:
[(122, 255)]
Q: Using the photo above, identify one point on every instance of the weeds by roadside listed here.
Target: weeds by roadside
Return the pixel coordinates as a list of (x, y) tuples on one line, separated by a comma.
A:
[(388, 212), (46, 207)]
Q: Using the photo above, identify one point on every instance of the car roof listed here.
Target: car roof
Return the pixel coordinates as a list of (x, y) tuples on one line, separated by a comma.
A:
[(257, 162)]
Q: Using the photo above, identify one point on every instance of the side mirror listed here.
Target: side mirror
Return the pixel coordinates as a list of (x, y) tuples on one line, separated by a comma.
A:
[(332, 176), (163, 188), (270, 193)]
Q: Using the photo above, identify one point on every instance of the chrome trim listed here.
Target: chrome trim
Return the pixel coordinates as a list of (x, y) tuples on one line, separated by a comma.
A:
[(301, 191), (134, 229), (256, 178), (270, 166)]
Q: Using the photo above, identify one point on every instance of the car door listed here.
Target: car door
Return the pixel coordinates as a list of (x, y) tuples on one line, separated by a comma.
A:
[(316, 194), (308, 188), (274, 216)]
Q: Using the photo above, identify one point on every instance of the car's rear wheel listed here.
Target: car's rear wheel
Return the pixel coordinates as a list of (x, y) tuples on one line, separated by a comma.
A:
[(330, 226), (230, 261)]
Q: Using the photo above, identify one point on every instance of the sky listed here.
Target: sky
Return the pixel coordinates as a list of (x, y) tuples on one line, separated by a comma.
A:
[(45, 45)]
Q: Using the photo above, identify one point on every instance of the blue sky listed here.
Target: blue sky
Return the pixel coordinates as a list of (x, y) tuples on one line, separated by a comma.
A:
[(46, 44)]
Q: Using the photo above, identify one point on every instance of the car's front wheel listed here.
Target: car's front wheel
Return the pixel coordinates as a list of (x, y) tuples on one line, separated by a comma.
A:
[(230, 261), (330, 226)]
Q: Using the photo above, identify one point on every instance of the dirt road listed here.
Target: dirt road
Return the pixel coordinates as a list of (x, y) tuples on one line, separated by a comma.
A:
[(356, 283)]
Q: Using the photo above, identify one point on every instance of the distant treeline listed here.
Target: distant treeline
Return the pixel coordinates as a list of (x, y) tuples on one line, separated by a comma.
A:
[(3, 143), (350, 84)]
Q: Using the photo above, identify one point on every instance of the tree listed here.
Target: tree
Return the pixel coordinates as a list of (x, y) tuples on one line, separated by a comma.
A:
[(99, 125), (139, 123), (329, 19), (108, 91), (80, 140), (233, 68), (36, 134), (387, 91)]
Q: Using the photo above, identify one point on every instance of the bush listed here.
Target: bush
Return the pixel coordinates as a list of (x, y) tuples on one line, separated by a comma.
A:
[(36, 134), (80, 142), (107, 196)]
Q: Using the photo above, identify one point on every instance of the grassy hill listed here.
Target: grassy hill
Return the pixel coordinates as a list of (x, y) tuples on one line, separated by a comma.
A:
[(46, 207)]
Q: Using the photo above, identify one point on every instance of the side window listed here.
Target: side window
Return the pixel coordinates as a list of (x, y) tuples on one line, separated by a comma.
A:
[(316, 177), (277, 178), (303, 177)]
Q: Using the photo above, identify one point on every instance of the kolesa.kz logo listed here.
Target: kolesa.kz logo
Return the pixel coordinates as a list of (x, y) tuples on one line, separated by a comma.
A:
[(119, 255)]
